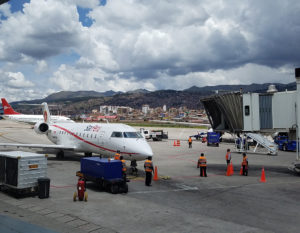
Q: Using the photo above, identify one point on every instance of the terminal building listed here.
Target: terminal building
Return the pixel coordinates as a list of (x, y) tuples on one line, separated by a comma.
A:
[(251, 114), (256, 112)]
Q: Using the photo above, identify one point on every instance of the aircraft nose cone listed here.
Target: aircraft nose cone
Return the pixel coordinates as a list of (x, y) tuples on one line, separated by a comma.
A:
[(146, 150)]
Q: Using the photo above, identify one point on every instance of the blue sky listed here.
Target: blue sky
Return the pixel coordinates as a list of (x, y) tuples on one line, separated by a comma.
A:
[(48, 46)]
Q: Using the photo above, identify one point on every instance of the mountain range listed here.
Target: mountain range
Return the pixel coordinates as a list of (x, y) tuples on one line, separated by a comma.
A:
[(85, 101)]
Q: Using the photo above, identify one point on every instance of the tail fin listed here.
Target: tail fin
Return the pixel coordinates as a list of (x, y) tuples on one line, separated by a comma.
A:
[(46, 113), (8, 110)]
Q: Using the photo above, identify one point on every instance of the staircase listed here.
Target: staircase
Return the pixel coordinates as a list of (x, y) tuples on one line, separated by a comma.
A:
[(270, 146)]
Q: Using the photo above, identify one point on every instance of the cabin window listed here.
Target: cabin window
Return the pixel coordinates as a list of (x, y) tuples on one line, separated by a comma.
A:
[(117, 134), (247, 110), (132, 135)]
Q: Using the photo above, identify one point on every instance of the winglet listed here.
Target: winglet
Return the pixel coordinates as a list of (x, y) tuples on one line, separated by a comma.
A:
[(46, 113), (8, 110)]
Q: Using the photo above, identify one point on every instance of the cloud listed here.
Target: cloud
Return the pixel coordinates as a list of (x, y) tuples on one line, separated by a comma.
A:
[(41, 66), (47, 28), (17, 80), (151, 44)]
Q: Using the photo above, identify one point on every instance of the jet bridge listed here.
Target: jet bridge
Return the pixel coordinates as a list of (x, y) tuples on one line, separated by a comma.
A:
[(225, 112)]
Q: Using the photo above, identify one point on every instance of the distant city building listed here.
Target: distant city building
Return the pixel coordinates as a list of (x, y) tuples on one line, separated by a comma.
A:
[(165, 108), (145, 108), (110, 110)]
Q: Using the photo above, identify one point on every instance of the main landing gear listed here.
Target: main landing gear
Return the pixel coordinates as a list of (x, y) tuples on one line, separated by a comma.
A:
[(60, 154)]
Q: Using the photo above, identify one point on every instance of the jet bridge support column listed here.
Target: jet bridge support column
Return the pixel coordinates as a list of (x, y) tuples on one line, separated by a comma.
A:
[(297, 76)]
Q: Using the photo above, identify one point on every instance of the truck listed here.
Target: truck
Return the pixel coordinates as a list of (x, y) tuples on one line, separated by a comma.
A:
[(213, 138), (199, 135), (107, 173), (158, 135), (284, 143), (146, 133), (20, 171)]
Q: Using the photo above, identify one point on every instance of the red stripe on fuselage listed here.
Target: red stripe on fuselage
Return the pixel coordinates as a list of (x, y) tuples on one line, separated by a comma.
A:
[(90, 143)]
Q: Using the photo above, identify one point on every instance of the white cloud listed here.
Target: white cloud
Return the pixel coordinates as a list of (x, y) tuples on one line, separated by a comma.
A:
[(17, 80), (41, 66), (152, 44)]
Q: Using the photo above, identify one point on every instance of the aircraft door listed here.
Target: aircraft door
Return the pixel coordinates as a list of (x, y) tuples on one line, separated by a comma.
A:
[(101, 138), (116, 141)]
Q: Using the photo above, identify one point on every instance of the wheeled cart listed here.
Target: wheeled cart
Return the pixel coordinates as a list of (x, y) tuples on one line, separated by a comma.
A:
[(105, 172), (20, 171)]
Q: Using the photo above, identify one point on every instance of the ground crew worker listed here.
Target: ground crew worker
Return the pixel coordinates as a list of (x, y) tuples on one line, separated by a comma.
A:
[(245, 165), (117, 155), (202, 165), (228, 157), (124, 169), (190, 142), (149, 170)]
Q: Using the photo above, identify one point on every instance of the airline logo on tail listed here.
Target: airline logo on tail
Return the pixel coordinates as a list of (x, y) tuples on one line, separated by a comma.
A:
[(8, 110), (46, 113)]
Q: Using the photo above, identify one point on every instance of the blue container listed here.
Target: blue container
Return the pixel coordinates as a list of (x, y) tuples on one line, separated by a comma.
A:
[(213, 137), (101, 168)]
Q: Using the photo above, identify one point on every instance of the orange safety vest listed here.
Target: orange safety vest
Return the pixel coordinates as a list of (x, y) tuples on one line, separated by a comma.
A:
[(190, 140), (245, 161), (148, 166), (202, 161), (228, 156), (117, 156), (124, 169)]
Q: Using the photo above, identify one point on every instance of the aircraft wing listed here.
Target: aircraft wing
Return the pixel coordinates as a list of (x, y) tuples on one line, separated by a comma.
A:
[(41, 146)]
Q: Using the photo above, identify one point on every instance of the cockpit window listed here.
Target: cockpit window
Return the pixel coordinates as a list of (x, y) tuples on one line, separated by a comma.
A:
[(117, 134), (132, 135)]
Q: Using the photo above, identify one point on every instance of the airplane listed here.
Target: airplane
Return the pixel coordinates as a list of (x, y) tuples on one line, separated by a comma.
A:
[(11, 114), (100, 138)]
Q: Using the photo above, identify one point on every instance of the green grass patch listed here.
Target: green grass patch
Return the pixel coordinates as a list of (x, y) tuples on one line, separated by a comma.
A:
[(163, 125)]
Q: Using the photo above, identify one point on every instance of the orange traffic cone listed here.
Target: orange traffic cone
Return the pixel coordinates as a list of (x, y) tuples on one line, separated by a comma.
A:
[(241, 171), (155, 174), (174, 143), (178, 142), (263, 177), (228, 171), (231, 169)]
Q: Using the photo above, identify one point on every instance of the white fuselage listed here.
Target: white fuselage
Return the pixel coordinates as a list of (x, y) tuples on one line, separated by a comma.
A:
[(104, 139), (36, 118)]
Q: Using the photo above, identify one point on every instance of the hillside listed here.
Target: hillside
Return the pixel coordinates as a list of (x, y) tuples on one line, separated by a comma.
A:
[(85, 101)]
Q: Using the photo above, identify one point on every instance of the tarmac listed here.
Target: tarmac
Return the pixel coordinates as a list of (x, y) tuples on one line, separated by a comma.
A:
[(180, 201)]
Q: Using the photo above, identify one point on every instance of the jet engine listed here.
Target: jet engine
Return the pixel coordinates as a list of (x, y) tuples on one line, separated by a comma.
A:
[(41, 127)]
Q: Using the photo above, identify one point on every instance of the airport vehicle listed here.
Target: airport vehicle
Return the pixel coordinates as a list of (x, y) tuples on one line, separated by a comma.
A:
[(20, 171), (284, 143), (213, 138), (106, 173), (199, 136), (104, 139), (255, 143), (146, 133), (11, 114), (158, 135)]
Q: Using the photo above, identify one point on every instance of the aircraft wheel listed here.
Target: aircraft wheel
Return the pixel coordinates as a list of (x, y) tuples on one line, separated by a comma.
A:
[(88, 154), (60, 155), (284, 147), (114, 188)]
